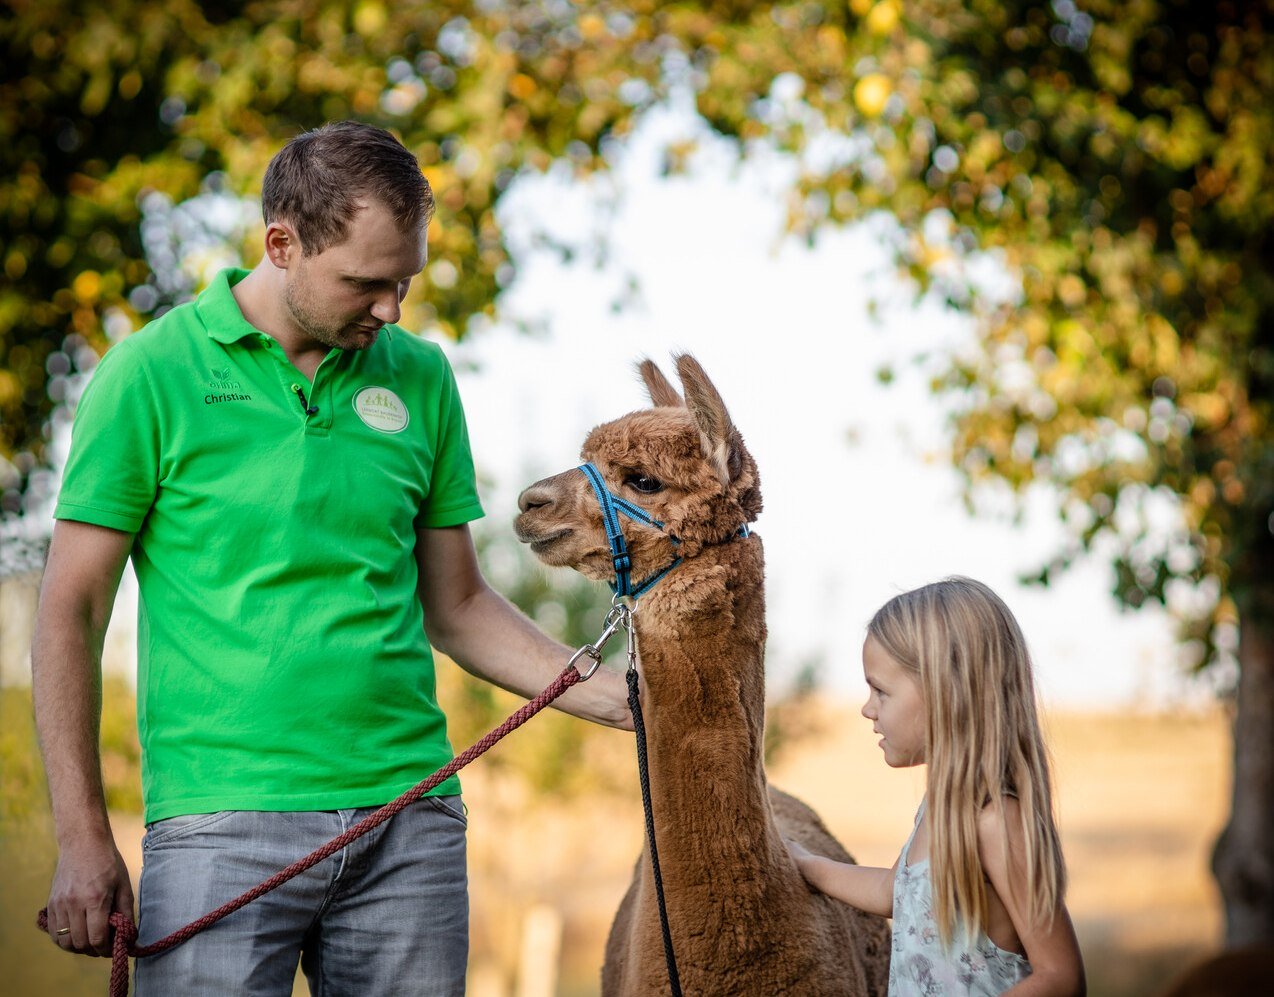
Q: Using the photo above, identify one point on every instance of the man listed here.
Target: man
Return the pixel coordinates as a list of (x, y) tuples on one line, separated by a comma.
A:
[(291, 475)]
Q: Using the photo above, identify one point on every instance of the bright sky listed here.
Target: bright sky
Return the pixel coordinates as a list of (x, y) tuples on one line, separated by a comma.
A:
[(859, 503)]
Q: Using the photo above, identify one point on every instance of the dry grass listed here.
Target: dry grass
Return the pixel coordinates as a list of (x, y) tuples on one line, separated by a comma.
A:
[(1141, 799)]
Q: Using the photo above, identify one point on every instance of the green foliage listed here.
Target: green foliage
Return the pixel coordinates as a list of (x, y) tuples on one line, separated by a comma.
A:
[(1117, 158), (121, 752), (28, 849), (1115, 155), (25, 794), (102, 107), (794, 717)]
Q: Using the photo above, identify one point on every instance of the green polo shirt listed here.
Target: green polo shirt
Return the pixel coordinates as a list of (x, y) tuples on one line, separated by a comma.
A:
[(282, 658)]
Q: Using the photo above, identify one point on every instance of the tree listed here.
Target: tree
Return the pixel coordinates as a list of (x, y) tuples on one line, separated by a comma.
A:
[(108, 110), (1115, 157)]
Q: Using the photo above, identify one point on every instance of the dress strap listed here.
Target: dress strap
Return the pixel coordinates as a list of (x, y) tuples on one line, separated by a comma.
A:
[(920, 812)]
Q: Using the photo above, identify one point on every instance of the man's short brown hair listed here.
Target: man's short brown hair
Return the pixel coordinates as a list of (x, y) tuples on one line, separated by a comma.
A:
[(318, 181)]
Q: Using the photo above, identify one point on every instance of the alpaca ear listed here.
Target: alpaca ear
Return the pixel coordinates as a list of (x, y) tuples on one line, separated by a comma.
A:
[(721, 443), (660, 389)]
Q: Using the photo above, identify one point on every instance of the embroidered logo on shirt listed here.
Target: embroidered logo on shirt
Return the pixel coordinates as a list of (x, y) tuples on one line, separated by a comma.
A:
[(381, 409), (222, 379), (224, 389)]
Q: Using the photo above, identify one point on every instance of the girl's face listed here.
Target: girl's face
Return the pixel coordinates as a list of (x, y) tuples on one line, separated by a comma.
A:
[(895, 706)]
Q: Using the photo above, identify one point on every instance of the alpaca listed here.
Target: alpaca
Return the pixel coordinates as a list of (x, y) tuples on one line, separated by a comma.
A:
[(1232, 973), (743, 921)]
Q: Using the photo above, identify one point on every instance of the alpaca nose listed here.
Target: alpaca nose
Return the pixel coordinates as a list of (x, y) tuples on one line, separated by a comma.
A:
[(534, 497)]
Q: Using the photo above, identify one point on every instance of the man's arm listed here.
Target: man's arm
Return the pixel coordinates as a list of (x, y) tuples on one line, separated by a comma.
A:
[(477, 628), (80, 580)]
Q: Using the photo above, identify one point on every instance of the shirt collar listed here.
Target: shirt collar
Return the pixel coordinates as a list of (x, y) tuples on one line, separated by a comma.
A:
[(219, 311)]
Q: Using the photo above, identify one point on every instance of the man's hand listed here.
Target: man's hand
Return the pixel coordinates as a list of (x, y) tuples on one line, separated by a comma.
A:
[(90, 884), (603, 698), (80, 579), (488, 637)]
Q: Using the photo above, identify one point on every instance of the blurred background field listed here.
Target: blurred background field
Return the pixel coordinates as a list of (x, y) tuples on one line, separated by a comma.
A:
[(1142, 796)]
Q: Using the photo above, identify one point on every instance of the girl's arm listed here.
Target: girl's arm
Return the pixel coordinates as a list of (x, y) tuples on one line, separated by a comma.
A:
[(1057, 969), (869, 889)]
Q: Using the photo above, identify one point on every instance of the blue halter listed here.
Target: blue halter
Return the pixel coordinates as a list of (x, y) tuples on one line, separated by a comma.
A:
[(612, 505)]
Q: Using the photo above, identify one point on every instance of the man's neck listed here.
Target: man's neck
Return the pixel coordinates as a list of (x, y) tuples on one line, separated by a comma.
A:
[(260, 297)]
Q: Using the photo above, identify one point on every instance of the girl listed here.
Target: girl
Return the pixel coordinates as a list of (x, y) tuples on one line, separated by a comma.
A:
[(976, 896)]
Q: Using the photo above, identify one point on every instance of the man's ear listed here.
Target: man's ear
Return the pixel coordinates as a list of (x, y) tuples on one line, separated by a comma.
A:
[(282, 246)]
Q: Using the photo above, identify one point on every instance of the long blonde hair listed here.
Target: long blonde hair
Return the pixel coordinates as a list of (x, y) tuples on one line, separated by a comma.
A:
[(982, 742)]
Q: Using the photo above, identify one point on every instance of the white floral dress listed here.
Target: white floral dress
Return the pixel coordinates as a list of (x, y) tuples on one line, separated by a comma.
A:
[(919, 965)]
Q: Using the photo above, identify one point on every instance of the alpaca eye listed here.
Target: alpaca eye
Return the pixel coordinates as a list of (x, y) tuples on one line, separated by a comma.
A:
[(644, 484)]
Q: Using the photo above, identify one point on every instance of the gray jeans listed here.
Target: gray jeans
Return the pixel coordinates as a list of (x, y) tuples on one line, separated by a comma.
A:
[(388, 914)]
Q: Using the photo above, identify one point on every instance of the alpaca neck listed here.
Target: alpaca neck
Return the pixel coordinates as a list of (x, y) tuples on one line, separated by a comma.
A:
[(702, 643)]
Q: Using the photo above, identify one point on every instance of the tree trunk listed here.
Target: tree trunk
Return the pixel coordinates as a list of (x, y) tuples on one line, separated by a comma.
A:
[(1243, 860)]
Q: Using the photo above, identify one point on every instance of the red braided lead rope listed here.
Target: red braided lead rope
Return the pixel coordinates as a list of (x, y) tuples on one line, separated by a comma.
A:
[(123, 942)]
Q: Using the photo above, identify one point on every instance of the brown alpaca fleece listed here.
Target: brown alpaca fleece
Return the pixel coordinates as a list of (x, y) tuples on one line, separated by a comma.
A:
[(743, 920), (1241, 972)]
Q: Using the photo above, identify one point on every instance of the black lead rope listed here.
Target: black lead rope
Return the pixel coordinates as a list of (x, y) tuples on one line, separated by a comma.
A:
[(634, 703)]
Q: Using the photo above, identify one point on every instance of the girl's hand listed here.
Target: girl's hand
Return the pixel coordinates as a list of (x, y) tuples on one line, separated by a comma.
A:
[(800, 855), (867, 889)]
